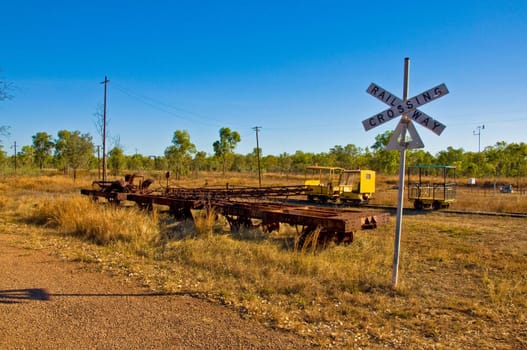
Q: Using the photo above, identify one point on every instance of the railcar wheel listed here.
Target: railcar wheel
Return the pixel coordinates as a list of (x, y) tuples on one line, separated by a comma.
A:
[(269, 227), (436, 205), (180, 213), (145, 206), (344, 238), (418, 204)]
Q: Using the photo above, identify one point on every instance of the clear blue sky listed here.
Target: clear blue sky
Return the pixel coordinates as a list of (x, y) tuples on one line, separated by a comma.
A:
[(298, 69)]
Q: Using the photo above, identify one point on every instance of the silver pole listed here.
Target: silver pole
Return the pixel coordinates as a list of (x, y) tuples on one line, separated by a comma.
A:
[(400, 196)]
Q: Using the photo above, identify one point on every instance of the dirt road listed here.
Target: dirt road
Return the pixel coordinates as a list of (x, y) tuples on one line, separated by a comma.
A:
[(48, 303)]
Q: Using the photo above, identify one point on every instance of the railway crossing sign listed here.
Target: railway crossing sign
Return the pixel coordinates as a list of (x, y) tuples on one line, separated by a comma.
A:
[(408, 107), (404, 136)]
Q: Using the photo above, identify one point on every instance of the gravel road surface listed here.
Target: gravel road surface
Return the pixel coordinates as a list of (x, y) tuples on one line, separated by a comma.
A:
[(48, 303)]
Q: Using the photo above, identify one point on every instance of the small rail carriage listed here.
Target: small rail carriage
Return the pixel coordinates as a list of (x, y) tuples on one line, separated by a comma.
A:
[(431, 186)]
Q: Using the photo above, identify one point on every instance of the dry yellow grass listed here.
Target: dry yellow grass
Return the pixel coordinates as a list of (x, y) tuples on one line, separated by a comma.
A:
[(462, 279), (79, 216)]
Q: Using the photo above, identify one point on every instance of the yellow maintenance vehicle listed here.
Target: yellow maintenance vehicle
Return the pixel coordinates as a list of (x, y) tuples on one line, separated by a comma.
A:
[(322, 183), (357, 186), (337, 184)]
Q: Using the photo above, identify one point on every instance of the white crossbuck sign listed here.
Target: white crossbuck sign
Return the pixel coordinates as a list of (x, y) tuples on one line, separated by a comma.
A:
[(408, 107)]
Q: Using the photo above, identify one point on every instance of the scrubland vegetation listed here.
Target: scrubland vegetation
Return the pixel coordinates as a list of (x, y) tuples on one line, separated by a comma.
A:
[(463, 279)]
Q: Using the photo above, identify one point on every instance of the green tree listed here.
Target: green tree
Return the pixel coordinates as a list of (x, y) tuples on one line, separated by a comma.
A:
[(116, 160), (419, 157), (300, 160), (26, 156), (73, 150), (137, 162), (452, 156), (270, 163), (382, 140), (224, 147), (251, 160), (473, 164), (285, 162), (385, 161), (43, 147), (60, 150), (240, 163), (179, 154), (3, 157), (345, 157), (514, 159), (199, 162)]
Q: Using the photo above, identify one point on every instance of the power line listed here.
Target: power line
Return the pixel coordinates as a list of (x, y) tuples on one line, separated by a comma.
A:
[(198, 117), (162, 106), (257, 128)]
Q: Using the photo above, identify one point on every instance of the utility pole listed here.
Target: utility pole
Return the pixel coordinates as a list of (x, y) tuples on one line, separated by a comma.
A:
[(15, 156), (478, 134), (257, 128), (99, 162), (105, 82)]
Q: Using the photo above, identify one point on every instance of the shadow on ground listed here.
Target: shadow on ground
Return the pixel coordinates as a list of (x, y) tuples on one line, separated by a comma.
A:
[(15, 296)]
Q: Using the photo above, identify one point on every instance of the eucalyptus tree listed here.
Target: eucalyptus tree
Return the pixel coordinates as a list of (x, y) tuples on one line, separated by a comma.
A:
[(73, 150), (199, 162), (26, 156), (300, 160), (385, 161), (116, 160), (345, 157), (419, 157), (179, 154), (43, 148), (224, 147), (285, 162)]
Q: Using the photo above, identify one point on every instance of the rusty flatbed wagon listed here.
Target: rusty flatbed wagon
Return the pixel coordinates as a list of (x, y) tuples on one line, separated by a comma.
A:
[(330, 224), (249, 207)]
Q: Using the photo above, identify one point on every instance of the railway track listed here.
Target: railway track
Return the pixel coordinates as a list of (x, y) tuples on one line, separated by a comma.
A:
[(450, 211), (412, 211)]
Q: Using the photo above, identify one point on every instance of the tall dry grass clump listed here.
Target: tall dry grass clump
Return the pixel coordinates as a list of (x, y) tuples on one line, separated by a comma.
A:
[(102, 224), (204, 222)]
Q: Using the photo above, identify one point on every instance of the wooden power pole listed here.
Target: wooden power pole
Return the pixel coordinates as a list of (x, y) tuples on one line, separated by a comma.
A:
[(105, 82)]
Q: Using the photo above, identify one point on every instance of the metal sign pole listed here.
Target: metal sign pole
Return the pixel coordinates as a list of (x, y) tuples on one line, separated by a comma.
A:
[(400, 196), (408, 108)]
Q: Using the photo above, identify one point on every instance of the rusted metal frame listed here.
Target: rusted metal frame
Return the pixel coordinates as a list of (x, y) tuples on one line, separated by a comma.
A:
[(238, 192), (114, 197), (180, 208), (329, 220), (102, 184), (163, 200)]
